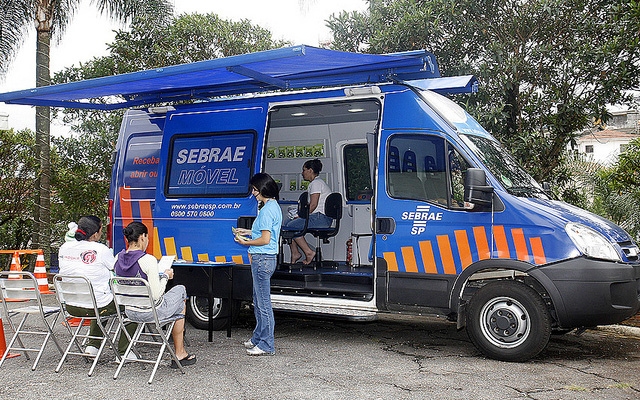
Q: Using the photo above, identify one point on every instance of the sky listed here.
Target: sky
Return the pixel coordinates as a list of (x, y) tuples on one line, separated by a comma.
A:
[(301, 22)]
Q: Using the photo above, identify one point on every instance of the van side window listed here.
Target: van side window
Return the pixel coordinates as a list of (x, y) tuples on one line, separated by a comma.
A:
[(357, 172), (458, 167), (140, 166), (425, 168)]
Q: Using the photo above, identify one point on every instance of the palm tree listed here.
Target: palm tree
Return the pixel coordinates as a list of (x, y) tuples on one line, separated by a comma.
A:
[(51, 18)]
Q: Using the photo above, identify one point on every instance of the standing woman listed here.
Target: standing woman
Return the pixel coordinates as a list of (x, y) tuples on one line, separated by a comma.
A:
[(263, 251)]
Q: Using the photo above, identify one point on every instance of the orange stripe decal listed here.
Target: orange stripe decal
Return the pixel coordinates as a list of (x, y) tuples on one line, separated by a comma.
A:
[(203, 257), (463, 248), (446, 255), (170, 246), (538, 251), (157, 252), (221, 259), (147, 219), (390, 258), (125, 206), (237, 259), (481, 243), (186, 253), (520, 244), (409, 259), (428, 259), (501, 241)]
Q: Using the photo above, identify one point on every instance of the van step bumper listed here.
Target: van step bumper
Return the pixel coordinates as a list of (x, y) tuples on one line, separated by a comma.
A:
[(360, 315)]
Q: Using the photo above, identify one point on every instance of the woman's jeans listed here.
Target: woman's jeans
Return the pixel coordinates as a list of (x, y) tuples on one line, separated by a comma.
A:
[(262, 267)]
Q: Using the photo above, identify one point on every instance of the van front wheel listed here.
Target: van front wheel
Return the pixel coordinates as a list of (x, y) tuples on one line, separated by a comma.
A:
[(198, 312), (508, 321)]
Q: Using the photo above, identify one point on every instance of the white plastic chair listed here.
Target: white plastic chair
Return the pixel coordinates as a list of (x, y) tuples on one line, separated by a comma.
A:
[(78, 290), (136, 292), (23, 286)]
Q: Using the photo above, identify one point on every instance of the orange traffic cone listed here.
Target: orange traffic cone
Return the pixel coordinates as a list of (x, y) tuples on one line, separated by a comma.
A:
[(40, 272), (75, 321), (3, 343), (15, 266)]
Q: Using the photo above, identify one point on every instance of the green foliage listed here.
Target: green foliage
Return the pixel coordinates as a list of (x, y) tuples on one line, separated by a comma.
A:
[(546, 67), (185, 39), (617, 191), (17, 180), (81, 176)]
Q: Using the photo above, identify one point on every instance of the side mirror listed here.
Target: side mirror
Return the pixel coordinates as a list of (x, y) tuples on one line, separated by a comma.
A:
[(476, 190)]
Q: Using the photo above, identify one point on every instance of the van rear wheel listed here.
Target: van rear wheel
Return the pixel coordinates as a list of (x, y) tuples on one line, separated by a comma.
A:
[(198, 312), (508, 321)]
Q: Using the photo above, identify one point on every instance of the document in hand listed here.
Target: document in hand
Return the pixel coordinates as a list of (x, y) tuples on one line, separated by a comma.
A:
[(165, 263)]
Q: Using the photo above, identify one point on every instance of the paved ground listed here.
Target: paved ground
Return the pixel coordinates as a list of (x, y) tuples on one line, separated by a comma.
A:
[(393, 358)]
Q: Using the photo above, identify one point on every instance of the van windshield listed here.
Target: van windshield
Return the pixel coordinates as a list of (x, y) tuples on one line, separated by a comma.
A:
[(504, 167), (499, 162)]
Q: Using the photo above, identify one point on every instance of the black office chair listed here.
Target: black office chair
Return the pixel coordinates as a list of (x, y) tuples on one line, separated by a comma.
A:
[(332, 209), (288, 234)]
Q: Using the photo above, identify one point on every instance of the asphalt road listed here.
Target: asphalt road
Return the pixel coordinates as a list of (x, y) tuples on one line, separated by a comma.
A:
[(393, 358)]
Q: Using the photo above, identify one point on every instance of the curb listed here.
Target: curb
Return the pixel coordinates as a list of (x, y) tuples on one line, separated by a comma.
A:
[(620, 329)]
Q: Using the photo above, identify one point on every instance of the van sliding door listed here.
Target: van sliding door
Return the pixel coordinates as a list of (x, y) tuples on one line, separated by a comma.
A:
[(208, 157)]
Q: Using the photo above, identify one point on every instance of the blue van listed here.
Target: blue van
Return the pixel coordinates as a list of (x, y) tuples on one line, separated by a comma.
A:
[(434, 216)]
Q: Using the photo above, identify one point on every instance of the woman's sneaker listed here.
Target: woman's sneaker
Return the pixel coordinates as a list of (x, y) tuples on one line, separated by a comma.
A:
[(249, 344), (91, 350), (257, 351)]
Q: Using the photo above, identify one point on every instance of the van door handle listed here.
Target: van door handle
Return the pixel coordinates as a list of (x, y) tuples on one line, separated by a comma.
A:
[(385, 225)]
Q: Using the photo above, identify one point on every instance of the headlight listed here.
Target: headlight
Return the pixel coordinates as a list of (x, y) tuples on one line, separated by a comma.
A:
[(591, 243)]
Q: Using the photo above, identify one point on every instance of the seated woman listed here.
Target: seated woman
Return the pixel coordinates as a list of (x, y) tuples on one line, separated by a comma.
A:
[(85, 256), (318, 191), (134, 262)]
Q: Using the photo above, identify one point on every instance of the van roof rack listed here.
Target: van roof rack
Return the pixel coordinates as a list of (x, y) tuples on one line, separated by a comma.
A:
[(295, 67)]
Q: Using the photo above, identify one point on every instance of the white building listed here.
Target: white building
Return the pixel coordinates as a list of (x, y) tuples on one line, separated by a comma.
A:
[(4, 121), (605, 145)]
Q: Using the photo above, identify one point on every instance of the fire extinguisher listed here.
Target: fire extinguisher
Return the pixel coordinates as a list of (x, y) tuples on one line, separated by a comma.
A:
[(349, 251)]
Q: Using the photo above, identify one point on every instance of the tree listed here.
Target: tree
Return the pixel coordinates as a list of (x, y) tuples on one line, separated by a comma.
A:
[(547, 67), (187, 38), (149, 44), (51, 18), (81, 173), (17, 176)]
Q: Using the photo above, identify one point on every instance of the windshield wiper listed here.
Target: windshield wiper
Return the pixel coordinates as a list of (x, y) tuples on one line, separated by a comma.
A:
[(528, 191)]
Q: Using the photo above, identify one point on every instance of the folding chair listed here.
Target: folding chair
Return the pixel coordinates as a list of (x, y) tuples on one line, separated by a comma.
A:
[(23, 285), (78, 289), (135, 292)]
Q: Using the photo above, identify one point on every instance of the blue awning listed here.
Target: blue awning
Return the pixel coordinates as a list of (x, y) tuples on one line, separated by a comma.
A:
[(286, 68)]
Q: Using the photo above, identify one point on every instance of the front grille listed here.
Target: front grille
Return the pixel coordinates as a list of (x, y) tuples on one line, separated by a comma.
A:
[(630, 250)]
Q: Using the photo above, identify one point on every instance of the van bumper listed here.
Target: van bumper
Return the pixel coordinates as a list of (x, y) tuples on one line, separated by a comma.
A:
[(589, 292)]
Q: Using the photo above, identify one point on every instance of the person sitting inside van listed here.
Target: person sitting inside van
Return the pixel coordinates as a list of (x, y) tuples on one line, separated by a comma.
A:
[(318, 191)]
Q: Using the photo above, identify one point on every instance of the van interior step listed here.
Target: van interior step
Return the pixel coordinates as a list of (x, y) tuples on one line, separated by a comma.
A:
[(342, 281)]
